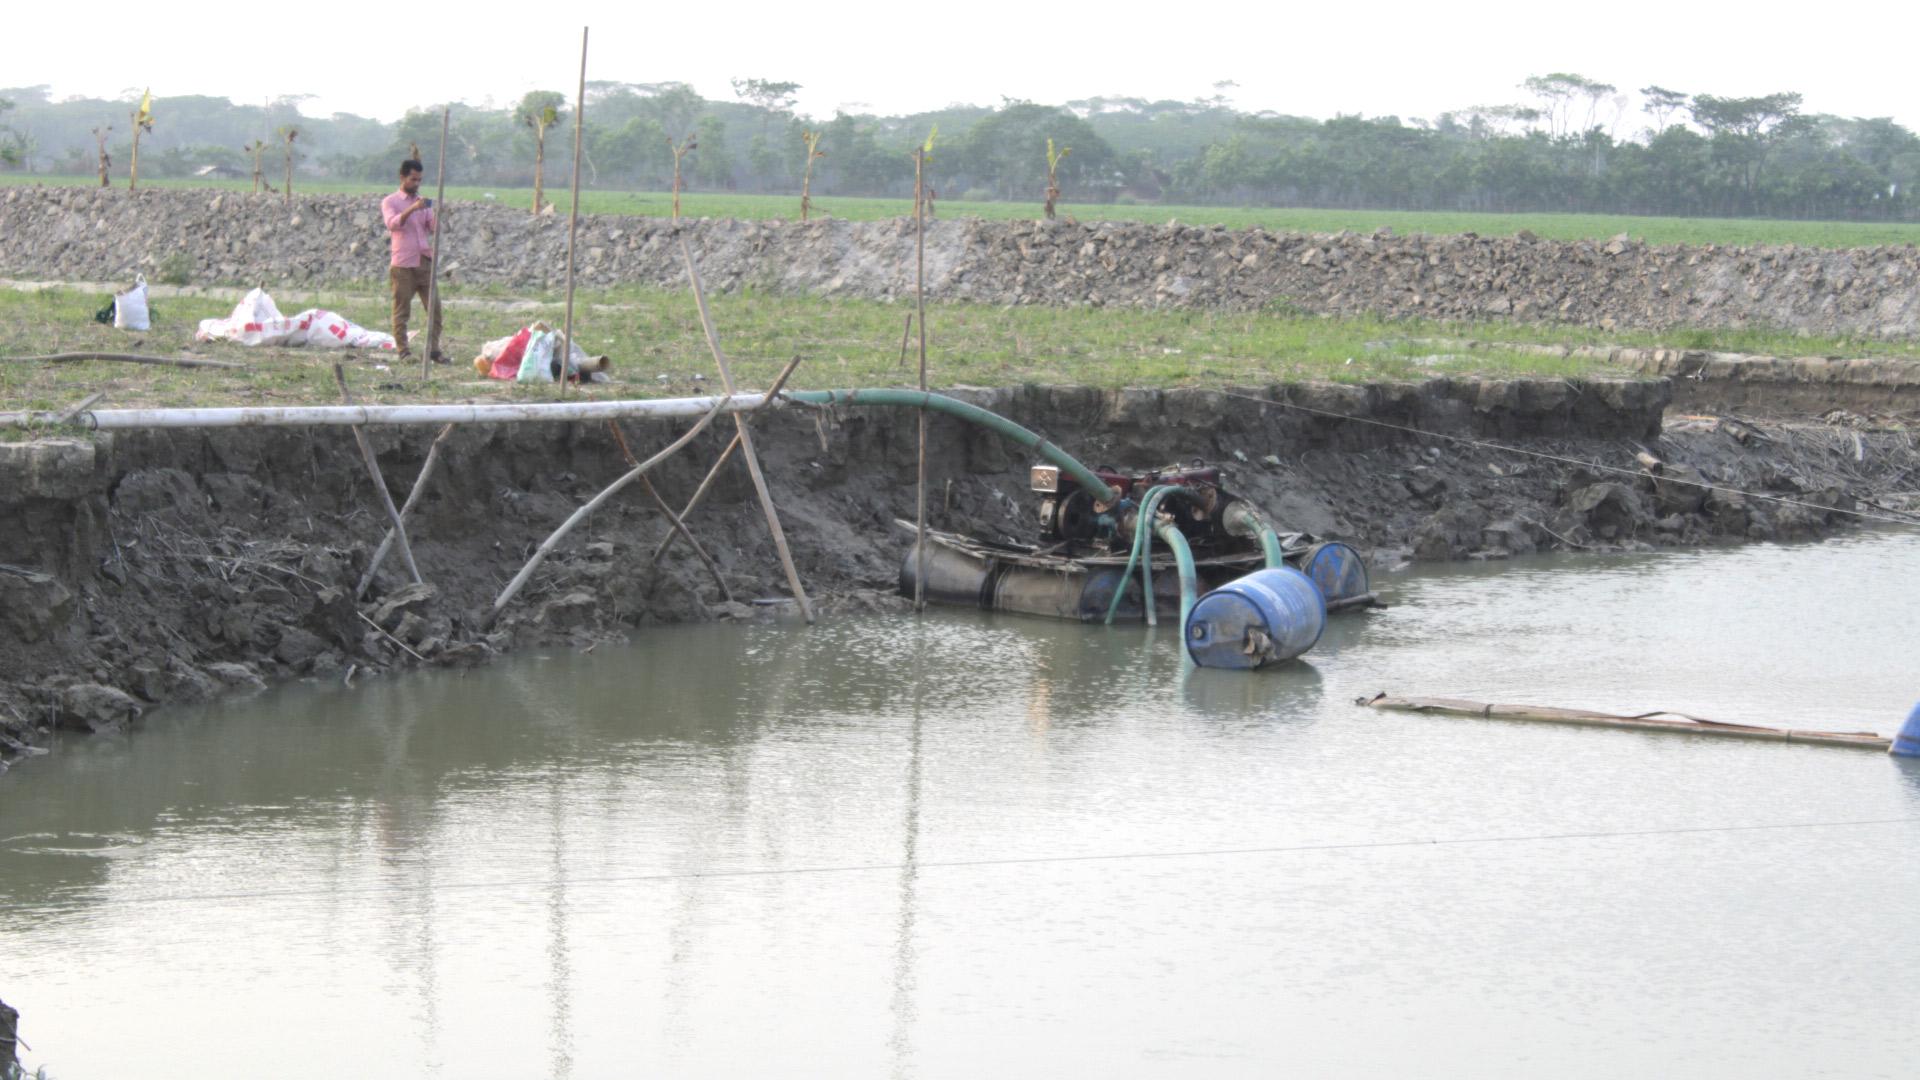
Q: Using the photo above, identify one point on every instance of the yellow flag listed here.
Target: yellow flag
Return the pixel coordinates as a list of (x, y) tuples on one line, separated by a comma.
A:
[(145, 119)]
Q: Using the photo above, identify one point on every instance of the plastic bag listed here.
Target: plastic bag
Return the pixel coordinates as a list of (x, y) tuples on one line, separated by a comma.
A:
[(130, 307), (536, 364), (256, 320)]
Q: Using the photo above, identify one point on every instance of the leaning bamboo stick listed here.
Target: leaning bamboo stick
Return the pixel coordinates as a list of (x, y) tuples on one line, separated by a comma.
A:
[(746, 438), (593, 504), (419, 485), (698, 494), (1653, 721), (772, 395), (124, 358), (673, 519), (379, 482)]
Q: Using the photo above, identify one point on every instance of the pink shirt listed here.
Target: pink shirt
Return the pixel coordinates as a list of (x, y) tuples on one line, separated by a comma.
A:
[(412, 240)]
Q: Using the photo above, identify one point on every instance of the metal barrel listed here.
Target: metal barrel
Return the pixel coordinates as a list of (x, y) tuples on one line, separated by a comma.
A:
[(954, 577), (1907, 743), (1338, 571), (1269, 615)]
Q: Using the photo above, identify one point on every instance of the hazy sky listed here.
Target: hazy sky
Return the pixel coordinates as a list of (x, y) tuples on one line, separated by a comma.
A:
[(1410, 60)]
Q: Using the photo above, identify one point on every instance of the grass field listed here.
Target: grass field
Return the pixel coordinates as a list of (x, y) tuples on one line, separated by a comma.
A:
[(1655, 230), (655, 341)]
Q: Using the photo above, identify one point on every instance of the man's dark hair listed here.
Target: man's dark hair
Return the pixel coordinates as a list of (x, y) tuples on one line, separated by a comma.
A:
[(411, 165)]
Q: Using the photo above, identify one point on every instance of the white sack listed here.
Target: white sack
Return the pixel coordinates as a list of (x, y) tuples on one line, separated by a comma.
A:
[(257, 321), (130, 307)]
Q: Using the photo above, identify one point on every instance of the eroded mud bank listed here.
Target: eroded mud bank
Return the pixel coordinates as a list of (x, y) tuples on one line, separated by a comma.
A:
[(153, 568)]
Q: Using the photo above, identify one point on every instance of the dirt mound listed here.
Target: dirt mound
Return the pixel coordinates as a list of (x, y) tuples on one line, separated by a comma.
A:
[(93, 234)]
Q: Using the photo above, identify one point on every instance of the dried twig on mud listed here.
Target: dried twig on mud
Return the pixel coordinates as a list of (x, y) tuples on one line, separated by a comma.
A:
[(390, 637)]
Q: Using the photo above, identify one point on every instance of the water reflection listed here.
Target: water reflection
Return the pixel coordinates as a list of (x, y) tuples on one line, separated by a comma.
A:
[(902, 1004)]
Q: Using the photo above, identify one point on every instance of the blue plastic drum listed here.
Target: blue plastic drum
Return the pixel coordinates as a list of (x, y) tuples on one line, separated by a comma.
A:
[(1269, 615), (1337, 569)]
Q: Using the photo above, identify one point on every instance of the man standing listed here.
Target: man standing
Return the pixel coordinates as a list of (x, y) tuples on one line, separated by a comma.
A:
[(410, 222)]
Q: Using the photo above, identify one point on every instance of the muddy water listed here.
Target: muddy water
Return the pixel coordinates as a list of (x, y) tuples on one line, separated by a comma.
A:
[(974, 845)]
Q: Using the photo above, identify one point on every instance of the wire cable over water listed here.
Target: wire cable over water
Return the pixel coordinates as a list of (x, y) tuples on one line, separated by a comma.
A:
[(935, 864)]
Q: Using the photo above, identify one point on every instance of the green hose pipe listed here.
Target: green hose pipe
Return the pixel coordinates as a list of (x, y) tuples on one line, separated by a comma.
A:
[(1149, 527), (1189, 577), (1243, 519), (973, 414), (1133, 555), (1142, 549)]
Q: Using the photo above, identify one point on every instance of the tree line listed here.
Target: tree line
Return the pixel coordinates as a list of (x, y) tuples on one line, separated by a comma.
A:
[(1559, 148)]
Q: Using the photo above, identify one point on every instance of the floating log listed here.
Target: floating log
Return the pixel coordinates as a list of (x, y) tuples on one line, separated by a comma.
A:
[(1659, 720)]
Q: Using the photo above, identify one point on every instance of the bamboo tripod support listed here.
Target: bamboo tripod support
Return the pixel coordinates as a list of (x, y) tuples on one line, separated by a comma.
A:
[(746, 438), (678, 527), (379, 482), (419, 485), (773, 393), (586, 511)]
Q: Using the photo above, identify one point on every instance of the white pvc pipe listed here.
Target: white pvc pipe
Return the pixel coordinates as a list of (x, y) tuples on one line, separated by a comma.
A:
[(350, 415)]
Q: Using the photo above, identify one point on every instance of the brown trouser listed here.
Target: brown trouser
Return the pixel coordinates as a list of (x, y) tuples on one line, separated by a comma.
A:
[(409, 282)]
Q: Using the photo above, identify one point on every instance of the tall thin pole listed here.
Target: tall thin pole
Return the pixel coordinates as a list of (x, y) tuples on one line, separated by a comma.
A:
[(920, 303), (573, 219), (746, 439), (439, 227)]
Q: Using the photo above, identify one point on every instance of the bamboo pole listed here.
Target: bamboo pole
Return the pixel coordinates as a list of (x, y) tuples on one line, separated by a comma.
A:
[(746, 438), (433, 277), (350, 415), (673, 519), (1652, 721), (419, 485), (920, 305), (773, 393), (540, 554), (680, 528), (698, 494), (124, 358), (379, 482), (573, 217)]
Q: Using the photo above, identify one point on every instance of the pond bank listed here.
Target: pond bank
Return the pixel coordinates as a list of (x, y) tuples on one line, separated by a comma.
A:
[(154, 567)]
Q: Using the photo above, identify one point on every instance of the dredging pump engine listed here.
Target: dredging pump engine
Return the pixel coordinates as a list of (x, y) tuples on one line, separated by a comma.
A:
[(1091, 541)]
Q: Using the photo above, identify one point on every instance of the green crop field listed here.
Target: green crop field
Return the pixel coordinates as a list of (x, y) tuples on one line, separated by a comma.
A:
[(657, 347), (1654, 230)]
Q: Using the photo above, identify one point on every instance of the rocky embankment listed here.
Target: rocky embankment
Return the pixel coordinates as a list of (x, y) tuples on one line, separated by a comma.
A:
[(157, 567), (206, 237)]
